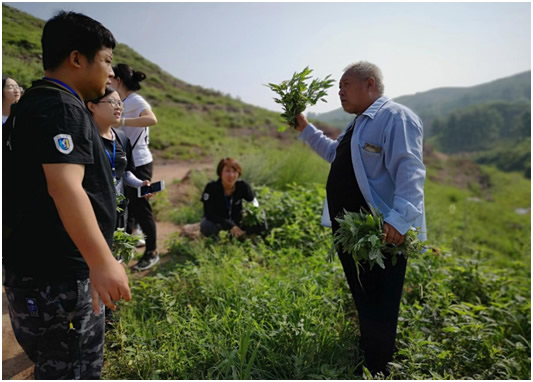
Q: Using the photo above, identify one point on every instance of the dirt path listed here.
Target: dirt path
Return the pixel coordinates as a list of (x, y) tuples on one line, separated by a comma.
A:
[(15, 364)]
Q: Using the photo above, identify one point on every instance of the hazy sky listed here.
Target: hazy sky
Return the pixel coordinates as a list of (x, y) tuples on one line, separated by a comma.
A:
[(237, 47)]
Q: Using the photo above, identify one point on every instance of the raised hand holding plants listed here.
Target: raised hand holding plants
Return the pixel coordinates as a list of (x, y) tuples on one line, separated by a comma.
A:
[(295, 94)]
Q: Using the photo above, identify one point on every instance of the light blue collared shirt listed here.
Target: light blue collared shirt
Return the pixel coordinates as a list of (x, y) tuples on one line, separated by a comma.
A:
[(387, 160)]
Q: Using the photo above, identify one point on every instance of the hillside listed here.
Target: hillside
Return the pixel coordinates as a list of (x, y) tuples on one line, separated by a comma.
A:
[(273, 307), (487, 132), (193, 121), (442, 101)]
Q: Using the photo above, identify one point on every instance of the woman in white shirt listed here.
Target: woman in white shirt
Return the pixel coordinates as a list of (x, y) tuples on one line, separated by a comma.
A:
[(11, 93), (137, 116)]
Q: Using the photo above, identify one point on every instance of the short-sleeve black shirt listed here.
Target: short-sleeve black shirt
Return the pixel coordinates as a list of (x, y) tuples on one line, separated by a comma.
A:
[(223, 210), (50, 126)]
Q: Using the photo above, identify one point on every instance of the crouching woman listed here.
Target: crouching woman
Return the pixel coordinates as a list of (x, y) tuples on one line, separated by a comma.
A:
[(222, 200)]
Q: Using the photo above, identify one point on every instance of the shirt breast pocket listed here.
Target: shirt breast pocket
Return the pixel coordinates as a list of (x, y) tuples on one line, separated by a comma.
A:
[(372, 155)]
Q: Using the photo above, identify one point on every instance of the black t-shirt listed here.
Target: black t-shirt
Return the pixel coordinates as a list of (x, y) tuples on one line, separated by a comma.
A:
[(342, 190), (222, 209), (50, 126), (123, 160)]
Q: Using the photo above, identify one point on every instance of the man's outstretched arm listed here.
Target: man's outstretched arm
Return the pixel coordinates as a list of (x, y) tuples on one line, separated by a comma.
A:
[(108, 278)]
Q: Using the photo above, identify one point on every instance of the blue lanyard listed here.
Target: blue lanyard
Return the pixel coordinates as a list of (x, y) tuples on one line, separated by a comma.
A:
[(65, 86), (112, 161)]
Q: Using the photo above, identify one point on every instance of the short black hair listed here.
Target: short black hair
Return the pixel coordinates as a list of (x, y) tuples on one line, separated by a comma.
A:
[(129, 76), (69, 31)]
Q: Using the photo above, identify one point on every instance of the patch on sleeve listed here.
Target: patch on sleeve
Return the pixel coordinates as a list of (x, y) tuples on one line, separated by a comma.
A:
[(64, 143), (206, 196)]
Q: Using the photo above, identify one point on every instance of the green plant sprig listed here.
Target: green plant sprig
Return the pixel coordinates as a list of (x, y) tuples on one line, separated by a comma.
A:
[(124, 245), (361, 235), (119, 198), (295, 94)]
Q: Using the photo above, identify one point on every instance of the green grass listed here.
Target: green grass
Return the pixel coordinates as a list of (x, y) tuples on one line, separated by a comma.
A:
[(484, 227), (274, 308), (192, 121)]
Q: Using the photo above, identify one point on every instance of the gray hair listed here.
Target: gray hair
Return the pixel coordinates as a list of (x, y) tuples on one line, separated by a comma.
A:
[(364, 70)]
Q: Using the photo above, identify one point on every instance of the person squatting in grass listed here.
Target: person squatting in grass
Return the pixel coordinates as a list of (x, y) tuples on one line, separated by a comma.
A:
[(107, 111), (11, 93), (377, 162), (136, 118), (56, 178), (222, 199)]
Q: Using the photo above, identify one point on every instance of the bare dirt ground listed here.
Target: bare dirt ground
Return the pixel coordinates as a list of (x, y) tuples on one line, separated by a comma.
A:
[(15, 364)]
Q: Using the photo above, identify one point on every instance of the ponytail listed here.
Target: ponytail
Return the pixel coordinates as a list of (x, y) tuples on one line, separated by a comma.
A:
[(130, 77)]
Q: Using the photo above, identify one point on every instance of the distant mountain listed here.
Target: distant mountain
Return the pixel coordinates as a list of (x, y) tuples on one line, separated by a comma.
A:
[(437, 103), (192, 121)]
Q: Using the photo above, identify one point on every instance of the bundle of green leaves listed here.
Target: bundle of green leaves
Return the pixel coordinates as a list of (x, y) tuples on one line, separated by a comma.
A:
[(361, 235), (123, 245), (295, 94)]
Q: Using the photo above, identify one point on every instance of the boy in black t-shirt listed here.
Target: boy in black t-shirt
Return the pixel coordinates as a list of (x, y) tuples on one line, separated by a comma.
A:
[(56, 178)]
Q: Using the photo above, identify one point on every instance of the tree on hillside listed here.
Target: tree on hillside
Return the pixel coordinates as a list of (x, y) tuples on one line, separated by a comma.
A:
[(521, 126), (470, 129), (483, 126)]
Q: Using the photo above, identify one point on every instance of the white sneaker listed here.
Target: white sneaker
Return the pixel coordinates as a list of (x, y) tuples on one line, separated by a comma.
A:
[(140, 235), (147, 261)]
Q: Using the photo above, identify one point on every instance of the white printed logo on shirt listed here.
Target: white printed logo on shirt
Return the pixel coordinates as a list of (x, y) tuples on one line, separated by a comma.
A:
[(206, 196), (64, 143)]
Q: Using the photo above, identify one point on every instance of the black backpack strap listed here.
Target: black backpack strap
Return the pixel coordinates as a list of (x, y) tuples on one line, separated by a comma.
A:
[(124, 141), (137, 140), (126, 145)]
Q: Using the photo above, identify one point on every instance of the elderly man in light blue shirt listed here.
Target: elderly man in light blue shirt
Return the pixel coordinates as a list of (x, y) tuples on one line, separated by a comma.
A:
[(376, 162)]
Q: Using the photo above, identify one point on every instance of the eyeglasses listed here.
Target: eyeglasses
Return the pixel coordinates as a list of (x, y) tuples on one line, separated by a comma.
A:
[(14, 87), (118, 104)]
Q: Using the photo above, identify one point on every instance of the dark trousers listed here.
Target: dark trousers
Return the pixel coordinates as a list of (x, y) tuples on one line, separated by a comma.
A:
[(140, 210), (377, 299), (55, 325)]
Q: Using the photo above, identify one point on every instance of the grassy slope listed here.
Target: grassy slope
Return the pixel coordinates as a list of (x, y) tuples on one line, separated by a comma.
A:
[(193, 121), (276, 309)]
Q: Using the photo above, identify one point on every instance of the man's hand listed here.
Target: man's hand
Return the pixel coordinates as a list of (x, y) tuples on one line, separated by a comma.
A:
[(236, 231), (109, 282), (301, 121), (391, 235)]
